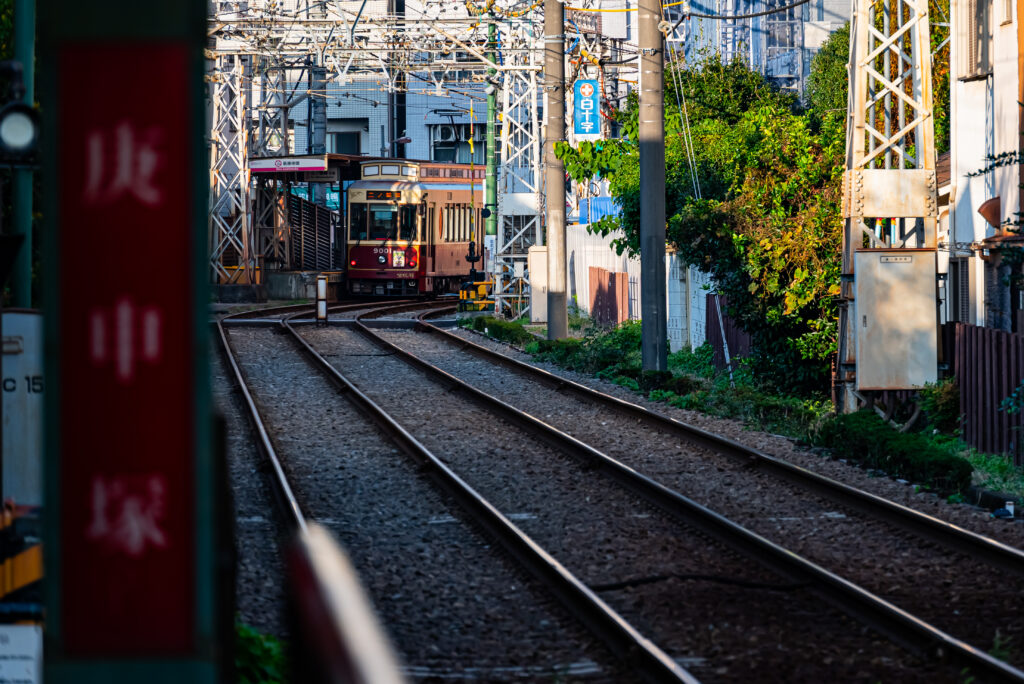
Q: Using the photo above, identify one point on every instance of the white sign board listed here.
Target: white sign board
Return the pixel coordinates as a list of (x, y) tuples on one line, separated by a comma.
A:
[(288, 164), (21, 654)]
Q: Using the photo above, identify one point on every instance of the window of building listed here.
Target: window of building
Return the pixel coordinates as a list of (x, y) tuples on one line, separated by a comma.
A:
[(450, 143), (344, 143), (975, 39)]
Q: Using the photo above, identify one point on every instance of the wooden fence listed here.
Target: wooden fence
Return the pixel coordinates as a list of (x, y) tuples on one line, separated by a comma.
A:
[(989, 365), (609, 296), (737, 339)]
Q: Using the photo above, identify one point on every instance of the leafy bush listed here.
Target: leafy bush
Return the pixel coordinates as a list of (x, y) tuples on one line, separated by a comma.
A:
[(696, 362), (500, 329), (865, 438), (941, 404), (259, 658)]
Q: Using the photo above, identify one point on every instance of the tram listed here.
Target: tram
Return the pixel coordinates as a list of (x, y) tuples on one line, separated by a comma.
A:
[(409, 226)]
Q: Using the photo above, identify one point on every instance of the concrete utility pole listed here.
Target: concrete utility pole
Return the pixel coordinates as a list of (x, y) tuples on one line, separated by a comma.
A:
[(654, 324), (24, 52), (554, 169)]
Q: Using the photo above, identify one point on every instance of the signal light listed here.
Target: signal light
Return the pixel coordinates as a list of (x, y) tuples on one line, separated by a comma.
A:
[(352, 263)]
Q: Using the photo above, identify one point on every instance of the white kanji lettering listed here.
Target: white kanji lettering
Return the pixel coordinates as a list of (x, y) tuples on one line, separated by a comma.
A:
[(127, 512), (135, 161), (136, 334)]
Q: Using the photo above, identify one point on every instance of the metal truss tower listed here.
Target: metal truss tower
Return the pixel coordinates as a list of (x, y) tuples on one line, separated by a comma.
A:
[(232, 247), (888, 314), (255, 45)]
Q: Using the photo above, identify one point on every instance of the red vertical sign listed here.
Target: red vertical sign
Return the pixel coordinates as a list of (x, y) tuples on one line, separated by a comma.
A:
[(126, 356)]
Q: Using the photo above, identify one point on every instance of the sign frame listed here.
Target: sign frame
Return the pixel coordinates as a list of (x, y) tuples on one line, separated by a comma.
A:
[(129, 25), (586, 109)]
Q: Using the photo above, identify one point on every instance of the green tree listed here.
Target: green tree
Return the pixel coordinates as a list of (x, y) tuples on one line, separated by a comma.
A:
[(829, 79), (767, 222)]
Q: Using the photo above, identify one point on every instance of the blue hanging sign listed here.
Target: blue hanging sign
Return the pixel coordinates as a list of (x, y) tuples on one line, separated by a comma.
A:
[(586, 122)]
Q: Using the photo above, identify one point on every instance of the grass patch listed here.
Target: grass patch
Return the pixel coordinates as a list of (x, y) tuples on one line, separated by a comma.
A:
[(691, 382), (512, 332), (259, 658), (991, 471), (866, 439)]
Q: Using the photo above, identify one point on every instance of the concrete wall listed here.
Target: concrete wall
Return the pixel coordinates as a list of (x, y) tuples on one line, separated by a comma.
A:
[(685, 286), (984, 115)]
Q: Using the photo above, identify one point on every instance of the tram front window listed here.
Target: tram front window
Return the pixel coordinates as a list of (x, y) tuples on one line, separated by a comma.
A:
[(409, 222), (357, 222), (383, 222)]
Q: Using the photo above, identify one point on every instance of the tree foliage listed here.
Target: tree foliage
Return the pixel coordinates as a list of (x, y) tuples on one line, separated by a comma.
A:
[(767, 223)]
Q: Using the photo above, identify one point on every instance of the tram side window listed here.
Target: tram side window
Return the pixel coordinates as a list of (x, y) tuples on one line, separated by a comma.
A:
[(408, 212), (357, 222), (430, 222), (383, 222)]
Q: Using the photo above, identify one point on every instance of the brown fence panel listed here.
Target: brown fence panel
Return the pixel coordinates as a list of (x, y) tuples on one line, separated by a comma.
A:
[(609, 296), (738, 340), (989, 365)]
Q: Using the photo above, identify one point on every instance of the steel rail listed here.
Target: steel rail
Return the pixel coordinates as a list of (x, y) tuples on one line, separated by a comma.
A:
[(283, 493), (949, 535), (344, 639), (290, 308), (638, 652), (912, 633)]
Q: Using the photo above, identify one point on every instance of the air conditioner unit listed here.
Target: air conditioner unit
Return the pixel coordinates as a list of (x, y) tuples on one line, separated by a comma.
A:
[(446, 134)]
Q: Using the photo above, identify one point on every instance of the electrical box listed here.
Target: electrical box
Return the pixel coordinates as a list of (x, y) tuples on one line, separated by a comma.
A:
[(537, 265), (22, 407), (895, 318)]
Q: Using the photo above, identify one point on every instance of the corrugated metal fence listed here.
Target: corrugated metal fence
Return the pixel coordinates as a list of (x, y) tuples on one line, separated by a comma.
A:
[(989, 365)]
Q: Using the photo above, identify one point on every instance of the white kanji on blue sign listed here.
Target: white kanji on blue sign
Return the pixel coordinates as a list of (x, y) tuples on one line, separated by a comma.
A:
[(586, 122)]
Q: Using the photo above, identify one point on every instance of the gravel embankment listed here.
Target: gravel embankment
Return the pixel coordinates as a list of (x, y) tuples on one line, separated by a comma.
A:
[(963, 515), (722, 616), (951, 591), (454, 606), (259, 579)]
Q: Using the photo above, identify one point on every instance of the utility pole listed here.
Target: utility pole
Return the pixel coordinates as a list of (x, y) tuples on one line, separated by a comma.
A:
[(24, 52), (654, 324), (554, 169), (491, 194)]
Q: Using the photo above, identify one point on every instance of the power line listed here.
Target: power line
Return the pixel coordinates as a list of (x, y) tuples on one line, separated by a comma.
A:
[(776, 10)]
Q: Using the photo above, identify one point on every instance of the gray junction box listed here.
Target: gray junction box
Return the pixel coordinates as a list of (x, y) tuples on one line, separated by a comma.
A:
[(895, 318)]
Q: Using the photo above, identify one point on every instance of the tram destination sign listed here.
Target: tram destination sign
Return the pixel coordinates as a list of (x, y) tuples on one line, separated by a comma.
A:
[(395, 195)]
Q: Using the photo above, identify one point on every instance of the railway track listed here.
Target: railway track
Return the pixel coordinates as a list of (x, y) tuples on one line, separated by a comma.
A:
[(929, 642), (453, 607), (850, 531)]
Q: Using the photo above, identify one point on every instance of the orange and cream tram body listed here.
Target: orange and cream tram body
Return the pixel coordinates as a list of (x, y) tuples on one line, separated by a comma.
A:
[(409, 227)]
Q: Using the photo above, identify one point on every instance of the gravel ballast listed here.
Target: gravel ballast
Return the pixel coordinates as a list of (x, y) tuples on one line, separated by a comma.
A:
[(454, 606), (951, 591), (722, 616)]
